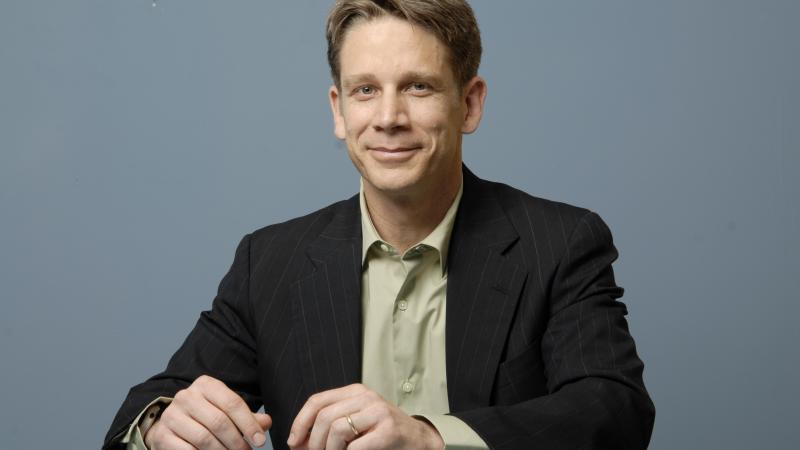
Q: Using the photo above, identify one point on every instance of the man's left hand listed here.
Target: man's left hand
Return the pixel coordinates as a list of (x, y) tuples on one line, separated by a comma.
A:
[(374, 423)]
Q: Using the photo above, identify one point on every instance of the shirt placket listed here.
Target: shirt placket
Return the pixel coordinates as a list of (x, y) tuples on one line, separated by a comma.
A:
[(407, 333)]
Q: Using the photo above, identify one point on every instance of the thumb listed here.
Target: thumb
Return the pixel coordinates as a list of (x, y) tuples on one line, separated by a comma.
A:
[(264, 420)]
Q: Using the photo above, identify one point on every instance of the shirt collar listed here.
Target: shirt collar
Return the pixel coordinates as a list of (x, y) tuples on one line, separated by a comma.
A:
[(438, 239)]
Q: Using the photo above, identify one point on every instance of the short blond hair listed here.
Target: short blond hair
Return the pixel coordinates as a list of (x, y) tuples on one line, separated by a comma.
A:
[(451, 21)]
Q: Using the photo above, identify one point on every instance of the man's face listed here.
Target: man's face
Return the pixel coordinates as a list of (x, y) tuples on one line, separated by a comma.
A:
[(400, 108)]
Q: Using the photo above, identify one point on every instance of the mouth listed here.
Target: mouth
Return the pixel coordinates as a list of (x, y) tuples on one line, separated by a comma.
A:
[(392, 155), (393, 150)]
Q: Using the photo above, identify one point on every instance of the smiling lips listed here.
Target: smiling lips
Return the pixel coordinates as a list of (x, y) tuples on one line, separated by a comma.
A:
[(396, 154)]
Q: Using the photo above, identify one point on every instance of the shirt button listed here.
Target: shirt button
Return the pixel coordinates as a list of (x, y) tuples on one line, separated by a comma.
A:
[(402, 305), (407, 387), (384, 247)]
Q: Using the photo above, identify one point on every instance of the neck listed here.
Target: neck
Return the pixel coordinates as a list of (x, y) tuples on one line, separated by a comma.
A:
[(404, 220)]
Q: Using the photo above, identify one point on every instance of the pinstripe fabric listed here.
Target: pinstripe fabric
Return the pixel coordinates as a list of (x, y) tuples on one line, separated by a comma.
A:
[(538, 349)]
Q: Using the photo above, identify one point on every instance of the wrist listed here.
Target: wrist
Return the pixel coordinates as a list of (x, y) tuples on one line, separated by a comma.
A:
[(149, 419), (430, 435)]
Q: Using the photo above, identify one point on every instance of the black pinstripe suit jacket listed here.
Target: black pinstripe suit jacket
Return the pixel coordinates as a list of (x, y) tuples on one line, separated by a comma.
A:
[(538, 351)]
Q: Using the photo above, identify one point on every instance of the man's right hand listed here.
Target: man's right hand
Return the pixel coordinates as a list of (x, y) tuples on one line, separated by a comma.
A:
[(208, 415)]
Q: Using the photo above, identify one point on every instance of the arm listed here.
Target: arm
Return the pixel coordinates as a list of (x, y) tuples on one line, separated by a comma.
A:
[(455, 434), (596, 398), (221, 346)]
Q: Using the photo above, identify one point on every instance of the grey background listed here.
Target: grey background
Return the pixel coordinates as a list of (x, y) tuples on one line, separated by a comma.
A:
[(139, 143)]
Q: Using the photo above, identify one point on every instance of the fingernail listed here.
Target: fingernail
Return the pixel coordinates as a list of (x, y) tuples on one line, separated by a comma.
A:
[(259, 439)]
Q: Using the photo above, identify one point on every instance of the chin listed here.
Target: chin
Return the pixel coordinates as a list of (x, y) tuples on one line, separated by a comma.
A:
[(392, 181)]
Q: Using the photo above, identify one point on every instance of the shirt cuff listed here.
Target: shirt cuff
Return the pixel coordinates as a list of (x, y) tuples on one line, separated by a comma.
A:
[(134, 438), (456, 434)]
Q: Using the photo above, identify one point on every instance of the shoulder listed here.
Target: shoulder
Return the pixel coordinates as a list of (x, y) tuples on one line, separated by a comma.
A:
[(527, 211), (545, 227), (551, 235), (300, 231)]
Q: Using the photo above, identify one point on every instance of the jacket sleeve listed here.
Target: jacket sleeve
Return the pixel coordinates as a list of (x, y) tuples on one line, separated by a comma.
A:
[(595, 394), (221, 345)]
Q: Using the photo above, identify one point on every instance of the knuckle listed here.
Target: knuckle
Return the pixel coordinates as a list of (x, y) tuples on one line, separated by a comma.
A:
[(205, 382), (321, 445), (325, 415), (167, 418), (381, 409), (217, 421), (372, 396), (231, 402), (156, 433), (204, 439), (340, 428), (181, 396)]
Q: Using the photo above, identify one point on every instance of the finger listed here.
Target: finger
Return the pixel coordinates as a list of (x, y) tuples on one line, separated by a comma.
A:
[(211, 418), (371, 441), (333, 412), (308, 413), (264, 421), (161, 437), (342, 436), (153, 435), (171, 442), (235, 408), (192, 432)]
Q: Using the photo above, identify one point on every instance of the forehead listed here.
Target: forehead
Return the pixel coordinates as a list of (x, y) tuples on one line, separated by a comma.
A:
[(388, 46)]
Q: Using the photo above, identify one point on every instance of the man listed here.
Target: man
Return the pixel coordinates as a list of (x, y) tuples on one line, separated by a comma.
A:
[(432, 309)]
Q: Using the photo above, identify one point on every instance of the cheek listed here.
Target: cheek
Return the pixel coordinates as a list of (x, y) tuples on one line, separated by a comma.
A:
[(356, 121), (434, 114), (442, 131), (432, 120)]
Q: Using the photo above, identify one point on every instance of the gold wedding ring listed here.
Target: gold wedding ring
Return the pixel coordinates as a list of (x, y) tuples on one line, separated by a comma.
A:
[(352, 427)]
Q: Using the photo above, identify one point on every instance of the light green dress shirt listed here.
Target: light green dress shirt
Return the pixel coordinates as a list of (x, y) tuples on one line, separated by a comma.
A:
[(404, 310)]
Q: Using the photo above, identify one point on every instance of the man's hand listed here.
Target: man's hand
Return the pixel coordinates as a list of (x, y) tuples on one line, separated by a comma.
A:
[(322, 423), (207, 415)]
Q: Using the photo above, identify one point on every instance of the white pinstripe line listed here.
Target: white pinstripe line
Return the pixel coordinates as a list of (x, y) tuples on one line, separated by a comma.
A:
[(308, 339)]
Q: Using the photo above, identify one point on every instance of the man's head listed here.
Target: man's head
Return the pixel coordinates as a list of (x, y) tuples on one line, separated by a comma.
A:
[(451, 21), (405, 90)]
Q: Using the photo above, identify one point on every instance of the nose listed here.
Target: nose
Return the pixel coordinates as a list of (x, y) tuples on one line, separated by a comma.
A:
[(392, 114)]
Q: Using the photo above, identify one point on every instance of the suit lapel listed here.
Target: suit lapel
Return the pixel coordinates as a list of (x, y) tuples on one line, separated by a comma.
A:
[(327, 304), (483, 289)]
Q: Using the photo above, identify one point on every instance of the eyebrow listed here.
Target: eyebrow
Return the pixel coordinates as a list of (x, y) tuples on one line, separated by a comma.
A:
[(357, 79), (406, 77)]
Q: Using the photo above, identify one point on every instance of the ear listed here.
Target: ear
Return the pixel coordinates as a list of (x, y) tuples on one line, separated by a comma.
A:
[(474, 97), (338, 118)]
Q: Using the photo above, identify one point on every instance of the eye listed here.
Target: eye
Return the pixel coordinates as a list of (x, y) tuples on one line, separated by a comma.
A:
[(365, 90), (418, 87)]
